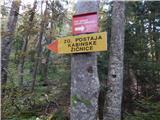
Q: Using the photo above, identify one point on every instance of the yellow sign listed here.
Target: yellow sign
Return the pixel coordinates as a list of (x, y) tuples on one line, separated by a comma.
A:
[(80, 44)]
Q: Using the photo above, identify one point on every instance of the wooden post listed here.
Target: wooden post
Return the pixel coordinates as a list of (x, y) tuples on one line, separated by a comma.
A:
[(84, 76)]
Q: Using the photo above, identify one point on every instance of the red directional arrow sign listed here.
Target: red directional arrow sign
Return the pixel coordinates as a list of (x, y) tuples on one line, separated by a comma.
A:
[(53, 46), (85, 23)]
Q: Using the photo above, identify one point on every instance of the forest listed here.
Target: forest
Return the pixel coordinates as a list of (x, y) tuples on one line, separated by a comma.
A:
[(120, 83)]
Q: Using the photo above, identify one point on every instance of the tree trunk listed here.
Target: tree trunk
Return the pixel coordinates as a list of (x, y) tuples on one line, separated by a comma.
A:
[(112, 109), (45, 68), (39, 49), (84, 76), (101, 100), (8, 39), (24, 48), (47, 55), (135, 88)]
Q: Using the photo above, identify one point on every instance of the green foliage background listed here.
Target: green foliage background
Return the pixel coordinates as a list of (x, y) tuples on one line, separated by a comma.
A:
[(142, 56)]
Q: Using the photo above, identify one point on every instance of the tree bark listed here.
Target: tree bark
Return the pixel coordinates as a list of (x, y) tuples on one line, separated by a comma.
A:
[(84, 76), (112, 109), (47, 54), (39, 49), (24, 48), (8, 39)]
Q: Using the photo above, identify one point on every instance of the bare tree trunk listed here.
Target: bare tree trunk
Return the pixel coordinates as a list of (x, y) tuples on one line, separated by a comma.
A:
[(45, 68), (47, 55), (7, 40), (39, 49), (84, 76), (112, 109), (134, 88), (131, 89), (25, 44)]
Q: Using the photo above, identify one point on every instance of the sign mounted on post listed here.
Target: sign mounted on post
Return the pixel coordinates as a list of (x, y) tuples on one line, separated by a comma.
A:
[(85, 23), (80, 44)]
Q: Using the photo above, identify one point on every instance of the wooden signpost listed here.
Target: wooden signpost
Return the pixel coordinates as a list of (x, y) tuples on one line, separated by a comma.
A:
[(80, 44)]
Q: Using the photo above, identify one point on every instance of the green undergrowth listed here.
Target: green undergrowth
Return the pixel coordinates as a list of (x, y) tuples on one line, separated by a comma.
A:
[(146, 110)]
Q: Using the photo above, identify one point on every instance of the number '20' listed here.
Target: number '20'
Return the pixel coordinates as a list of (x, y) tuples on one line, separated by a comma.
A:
[(67, 41)]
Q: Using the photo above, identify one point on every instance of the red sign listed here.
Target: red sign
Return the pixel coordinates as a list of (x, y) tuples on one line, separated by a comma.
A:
[(85, 23)]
